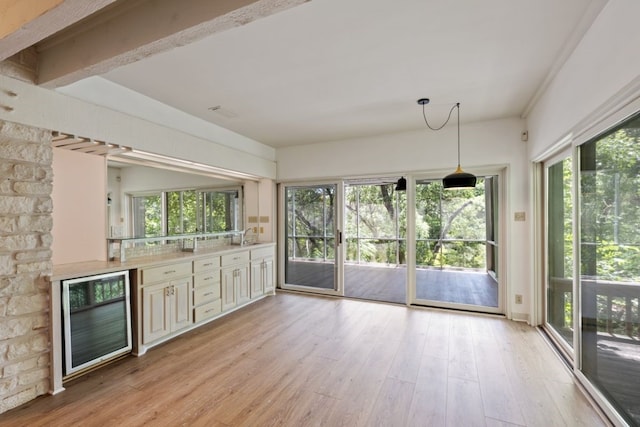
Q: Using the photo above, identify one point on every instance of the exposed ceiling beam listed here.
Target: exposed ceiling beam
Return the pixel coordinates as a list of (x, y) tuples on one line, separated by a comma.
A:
[(26, 22), (138, 29)]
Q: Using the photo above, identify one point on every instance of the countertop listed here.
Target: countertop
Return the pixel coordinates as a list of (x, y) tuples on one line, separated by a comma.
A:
[(90, 268)]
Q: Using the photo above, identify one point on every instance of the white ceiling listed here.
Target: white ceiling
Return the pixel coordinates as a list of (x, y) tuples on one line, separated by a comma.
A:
[(334, 69)]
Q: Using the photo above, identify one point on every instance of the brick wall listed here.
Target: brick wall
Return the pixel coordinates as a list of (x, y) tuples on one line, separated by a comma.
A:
[(25, 262)]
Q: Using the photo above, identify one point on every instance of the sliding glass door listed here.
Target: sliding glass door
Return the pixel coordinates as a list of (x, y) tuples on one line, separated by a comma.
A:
[(312, 242), (592, 264), (376, 241), (610, 265), (559, 259), (457, 245)]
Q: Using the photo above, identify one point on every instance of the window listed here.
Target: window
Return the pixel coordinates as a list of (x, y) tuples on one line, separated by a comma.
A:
[(375, 224), (559, 217), (220, 211), (186, 211), (610, 265), (147, 215)]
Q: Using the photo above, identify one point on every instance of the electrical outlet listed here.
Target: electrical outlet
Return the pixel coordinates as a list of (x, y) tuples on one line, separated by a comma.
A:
[(261, 230), (518, 299)]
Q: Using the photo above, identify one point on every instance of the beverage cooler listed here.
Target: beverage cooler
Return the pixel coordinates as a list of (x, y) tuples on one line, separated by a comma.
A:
[(96, 313)]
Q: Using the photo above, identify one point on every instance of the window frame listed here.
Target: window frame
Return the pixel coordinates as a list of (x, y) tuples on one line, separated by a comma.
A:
[(238, 218)]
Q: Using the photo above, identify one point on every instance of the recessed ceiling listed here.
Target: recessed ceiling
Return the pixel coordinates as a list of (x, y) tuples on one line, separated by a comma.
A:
[(329, 70)]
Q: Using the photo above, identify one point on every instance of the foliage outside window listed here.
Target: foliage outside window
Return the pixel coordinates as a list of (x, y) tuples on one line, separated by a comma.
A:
[(610, 264), (310, 222), (451, 228), (376, 224), (147, 215), (187, 211), (560, 248)]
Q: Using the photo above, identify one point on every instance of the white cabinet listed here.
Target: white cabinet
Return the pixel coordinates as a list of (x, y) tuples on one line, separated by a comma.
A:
[(167, 308), (235, 279), (166, 305), (206, 288), (175, 296), (262, 272)]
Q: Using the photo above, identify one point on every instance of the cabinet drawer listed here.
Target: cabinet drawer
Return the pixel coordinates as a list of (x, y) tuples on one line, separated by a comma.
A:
[(206, 264), (166, 272), (235, 258), (206, 311), (261, 253), (206, 294), (209, 278)]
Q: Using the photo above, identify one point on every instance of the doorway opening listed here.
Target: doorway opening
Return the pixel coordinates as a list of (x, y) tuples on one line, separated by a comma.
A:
[(457, 245), (375, 265)]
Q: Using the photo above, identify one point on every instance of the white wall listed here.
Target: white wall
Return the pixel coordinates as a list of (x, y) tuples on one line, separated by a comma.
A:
[(599, 78), (115, 220), (47, 109), (139, 179), (485, 146), (79, 207)]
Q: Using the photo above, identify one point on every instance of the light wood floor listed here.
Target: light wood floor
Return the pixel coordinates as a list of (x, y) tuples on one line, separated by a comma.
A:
[(298, 360)]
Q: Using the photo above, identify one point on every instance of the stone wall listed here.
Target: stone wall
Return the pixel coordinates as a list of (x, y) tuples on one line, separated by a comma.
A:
[(25, 262)]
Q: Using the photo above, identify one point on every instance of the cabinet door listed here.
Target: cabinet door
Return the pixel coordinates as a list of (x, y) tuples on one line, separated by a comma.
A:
[(155, 322), (181, 304), (228, 288), (267, 271), (242, 284), (256, 279)]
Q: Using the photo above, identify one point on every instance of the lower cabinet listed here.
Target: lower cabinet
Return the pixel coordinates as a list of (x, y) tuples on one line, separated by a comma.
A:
[(235, 286), (262, 272), (176, 296), (166, 308)]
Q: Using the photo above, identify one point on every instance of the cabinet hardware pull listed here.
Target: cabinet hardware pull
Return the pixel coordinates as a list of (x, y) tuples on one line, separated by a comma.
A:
[(208, 264), (207, 278), (173, 290), (207, 294), (169, 272), (167, 291), (210, 310)]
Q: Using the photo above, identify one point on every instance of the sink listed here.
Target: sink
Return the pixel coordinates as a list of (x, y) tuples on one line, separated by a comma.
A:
[(245, 244)]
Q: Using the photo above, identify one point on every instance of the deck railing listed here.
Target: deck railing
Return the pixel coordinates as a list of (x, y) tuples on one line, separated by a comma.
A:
[(615, 307), (438, 253)]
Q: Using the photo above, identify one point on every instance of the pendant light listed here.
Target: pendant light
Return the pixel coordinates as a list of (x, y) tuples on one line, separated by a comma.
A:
[(401, 185), (458, 180)]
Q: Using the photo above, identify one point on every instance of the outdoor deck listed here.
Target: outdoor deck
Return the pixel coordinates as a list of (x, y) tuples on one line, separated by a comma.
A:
[(389, 283)]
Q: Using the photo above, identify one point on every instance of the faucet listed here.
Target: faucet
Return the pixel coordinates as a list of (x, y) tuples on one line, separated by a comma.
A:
[(244, 237)]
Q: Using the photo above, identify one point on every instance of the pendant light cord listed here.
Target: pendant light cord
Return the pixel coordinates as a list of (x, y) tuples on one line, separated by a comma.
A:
[(446, 121), (456, 105)]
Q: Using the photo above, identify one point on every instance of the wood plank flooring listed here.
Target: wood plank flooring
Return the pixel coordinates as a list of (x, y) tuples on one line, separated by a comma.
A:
[(304, 360)]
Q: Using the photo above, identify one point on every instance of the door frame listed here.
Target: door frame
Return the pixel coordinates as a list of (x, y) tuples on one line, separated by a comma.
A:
[(338, 232), (560, 155), (499, 171)]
